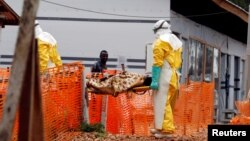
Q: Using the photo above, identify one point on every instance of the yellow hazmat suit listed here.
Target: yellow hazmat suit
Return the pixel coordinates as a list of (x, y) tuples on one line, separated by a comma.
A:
[(47, 50), (167, 51)]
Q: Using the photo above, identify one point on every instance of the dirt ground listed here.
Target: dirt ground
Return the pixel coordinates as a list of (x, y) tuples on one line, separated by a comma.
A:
[(94, 136)]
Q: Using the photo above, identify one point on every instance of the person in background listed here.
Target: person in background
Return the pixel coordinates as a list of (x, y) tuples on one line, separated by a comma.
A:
[(167, 51), (47, 48), (100, 65)]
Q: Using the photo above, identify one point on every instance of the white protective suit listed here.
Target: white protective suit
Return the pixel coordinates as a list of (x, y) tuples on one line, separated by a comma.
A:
[(167, 51)]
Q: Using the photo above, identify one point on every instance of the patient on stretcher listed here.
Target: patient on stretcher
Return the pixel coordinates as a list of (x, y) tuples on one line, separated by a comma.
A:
[(117, 83)]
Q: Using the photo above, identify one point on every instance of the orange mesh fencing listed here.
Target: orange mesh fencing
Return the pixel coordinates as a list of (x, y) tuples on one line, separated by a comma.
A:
[(112, 122), (186, 109), (207, 104), (4, 78), (143, 114), (118, 121), (243, 117), (194, 107), (131, 113), (124, 112), (240, 120), (128, 113), (61, 99), (243, 107), (95, 108)]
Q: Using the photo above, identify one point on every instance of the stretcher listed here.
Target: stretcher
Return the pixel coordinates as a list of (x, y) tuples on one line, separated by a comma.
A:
[(136, 90), (124, 82)]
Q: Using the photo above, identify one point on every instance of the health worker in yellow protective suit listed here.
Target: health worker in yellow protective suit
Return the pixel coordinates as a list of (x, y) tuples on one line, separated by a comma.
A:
[(47, 48), (167, 51)]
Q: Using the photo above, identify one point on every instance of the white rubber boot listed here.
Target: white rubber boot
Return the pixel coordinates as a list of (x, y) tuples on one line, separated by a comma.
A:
[(154, 131), (163, 135)]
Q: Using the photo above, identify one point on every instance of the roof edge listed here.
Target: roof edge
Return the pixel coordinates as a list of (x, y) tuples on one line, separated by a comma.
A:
[(233, 8), (16, 16)]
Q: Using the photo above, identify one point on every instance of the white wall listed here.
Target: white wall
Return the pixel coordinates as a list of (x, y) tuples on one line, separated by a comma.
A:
[(87, 38)]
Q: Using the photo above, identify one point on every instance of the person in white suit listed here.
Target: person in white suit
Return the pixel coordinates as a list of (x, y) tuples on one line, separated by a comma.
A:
[(167, 52)]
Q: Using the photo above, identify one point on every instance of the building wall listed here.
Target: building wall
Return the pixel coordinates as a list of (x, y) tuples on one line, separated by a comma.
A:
[(233, 60), (207, 35)]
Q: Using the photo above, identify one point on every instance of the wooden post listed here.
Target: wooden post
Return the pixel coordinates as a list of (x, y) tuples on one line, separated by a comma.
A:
[(30, 111), (247, 69), (23, 91)]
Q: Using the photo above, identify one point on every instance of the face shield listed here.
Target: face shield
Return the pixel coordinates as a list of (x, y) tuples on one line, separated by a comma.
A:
[(161, 27)]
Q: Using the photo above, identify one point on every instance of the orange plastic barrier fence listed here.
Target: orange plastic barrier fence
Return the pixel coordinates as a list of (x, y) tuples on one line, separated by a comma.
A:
[(95, 108), (142, 113), (243, 107), (128, 113), (4, 78), (194, 107), (133, 113), (112, 122), (61, 99), (125, 114), (243, 117)]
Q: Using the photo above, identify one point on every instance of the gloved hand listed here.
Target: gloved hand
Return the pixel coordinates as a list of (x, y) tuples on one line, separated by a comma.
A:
[(156, 71)]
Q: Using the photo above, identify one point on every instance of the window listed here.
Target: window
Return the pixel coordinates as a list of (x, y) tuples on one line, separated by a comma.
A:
[(184, 60), (203, 62), (216, 69), (199, 60), (195, 60), (191, 60), (209, 64)]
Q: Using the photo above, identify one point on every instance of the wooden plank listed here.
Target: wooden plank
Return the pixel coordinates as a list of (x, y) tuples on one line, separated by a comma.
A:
[(232, 8), (247, 64), (37, 130), (19, 69), (26, 102), (30, 111)]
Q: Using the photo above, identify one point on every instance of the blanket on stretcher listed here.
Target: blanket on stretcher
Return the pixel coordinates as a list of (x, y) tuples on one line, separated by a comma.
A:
[(115, 84)]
